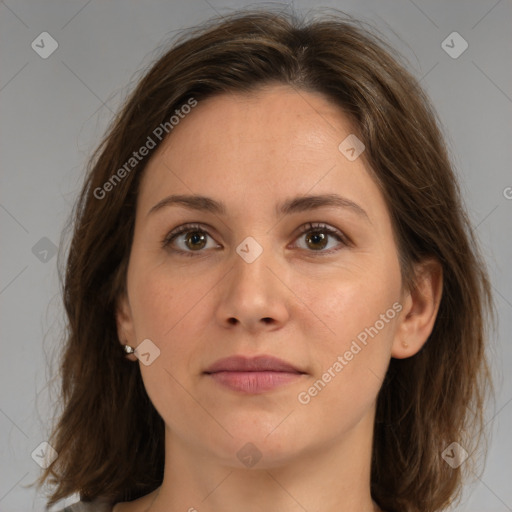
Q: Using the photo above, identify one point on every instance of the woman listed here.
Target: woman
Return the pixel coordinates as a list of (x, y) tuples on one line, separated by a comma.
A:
[(275, 300)]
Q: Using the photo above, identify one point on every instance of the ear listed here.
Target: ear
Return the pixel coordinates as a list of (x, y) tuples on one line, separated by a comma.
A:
[(124, 322), (420, 307)]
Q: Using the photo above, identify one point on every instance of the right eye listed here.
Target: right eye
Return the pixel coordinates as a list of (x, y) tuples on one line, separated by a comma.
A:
[(190, 238)]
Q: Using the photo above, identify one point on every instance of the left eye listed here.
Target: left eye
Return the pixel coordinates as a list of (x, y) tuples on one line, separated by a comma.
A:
[(193, 239), (318, 235)]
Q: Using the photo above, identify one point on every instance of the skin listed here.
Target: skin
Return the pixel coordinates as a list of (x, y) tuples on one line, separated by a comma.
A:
[(251, 152)]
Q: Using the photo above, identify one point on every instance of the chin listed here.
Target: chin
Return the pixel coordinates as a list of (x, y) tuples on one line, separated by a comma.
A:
[(258, 445)]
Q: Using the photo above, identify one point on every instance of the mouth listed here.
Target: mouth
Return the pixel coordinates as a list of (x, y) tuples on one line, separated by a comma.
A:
[(253, 375)]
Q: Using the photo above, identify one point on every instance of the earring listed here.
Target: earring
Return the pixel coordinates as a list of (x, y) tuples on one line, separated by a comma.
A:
[(128, 349)]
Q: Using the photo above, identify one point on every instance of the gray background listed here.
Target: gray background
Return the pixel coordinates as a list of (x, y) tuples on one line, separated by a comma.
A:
[(53, 113)]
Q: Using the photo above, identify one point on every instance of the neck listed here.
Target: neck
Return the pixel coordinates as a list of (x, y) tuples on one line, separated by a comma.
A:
[(334, 477)]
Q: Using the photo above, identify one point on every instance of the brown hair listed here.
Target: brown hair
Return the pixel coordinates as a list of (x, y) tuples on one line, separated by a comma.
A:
[(110, 438)]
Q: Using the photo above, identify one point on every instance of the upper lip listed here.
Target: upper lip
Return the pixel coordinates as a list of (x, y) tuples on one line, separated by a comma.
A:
[(251, 364)]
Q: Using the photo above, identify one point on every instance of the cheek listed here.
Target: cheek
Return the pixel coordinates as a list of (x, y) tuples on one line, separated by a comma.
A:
[(359, 315), (351, 299), (166, 312), (160, 296), (171, 308)]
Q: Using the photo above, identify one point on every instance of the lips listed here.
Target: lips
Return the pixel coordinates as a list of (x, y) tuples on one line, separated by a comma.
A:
[(254, 375), (253, 364)]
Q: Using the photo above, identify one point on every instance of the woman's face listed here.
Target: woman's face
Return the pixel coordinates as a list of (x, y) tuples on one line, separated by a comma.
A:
[(251, 277)]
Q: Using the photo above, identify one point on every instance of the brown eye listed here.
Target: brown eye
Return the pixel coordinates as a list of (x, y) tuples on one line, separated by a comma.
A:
[(317, 238), (316, 241), (188, 239), (195, 240)]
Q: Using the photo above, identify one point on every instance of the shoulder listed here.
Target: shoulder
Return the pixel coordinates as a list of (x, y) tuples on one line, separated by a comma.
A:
[(91, 506)]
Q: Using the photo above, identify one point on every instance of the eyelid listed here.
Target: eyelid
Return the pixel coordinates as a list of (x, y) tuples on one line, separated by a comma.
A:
[(305, 228), (185, 228), (182, 228), (322, 226)]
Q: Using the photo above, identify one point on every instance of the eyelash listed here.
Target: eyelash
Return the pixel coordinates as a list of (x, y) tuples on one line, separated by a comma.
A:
[(306, 228)]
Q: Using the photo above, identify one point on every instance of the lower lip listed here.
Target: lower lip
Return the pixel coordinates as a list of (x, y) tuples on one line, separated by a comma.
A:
[(254, 382)]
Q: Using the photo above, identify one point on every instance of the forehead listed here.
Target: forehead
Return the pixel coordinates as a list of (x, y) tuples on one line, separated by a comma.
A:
[(246, 147), (279, 116)]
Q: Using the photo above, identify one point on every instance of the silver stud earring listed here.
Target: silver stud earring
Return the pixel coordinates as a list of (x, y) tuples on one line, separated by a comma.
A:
[(128, 349)]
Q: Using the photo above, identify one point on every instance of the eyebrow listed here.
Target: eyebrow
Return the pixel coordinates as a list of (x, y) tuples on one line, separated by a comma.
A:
[(293, 205)]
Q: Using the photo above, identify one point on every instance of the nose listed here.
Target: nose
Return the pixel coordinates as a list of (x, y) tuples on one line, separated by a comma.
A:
[(254, 295)]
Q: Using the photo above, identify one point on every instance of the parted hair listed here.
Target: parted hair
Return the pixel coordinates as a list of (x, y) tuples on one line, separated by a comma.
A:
[(108, 436)]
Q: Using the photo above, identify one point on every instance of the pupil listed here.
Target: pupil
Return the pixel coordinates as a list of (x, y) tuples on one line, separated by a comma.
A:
[(196, 237), (318, 237)]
